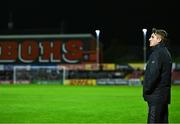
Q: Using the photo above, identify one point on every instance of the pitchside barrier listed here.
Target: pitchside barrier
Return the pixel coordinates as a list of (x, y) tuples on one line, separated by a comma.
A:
[(81, 74)]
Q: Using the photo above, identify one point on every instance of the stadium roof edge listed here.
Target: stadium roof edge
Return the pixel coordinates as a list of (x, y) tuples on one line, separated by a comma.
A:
[(46, 36)]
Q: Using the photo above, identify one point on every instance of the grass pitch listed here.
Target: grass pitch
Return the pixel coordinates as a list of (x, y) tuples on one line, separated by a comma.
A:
[(78, 104)]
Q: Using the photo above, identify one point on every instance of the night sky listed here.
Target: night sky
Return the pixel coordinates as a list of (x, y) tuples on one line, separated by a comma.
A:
[(122, 20)]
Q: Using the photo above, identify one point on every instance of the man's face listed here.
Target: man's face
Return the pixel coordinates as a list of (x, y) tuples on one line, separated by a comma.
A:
[(154, 39)]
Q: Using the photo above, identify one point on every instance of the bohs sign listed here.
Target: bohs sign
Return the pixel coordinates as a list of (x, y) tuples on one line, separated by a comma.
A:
[(47, 49)]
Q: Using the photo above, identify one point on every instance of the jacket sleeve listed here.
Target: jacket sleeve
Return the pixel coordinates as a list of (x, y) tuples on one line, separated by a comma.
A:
[(152, 74)]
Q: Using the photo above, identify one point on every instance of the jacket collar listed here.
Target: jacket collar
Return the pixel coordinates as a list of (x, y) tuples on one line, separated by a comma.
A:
[(160, 45)]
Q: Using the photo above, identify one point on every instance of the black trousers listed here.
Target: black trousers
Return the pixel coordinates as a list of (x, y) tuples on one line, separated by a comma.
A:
[(158, 113)]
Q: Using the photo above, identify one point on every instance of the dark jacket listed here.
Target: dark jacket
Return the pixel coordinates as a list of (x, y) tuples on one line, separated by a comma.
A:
[(157, 79)]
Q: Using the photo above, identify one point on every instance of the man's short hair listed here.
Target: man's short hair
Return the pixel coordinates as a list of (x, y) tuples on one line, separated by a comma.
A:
[(161, 32)]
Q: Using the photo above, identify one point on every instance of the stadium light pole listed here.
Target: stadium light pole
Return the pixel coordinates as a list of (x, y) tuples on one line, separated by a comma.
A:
[(144, 47), (97, 46)]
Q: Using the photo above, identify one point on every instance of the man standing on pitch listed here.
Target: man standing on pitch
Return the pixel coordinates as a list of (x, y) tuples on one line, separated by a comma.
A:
[(157, 79)]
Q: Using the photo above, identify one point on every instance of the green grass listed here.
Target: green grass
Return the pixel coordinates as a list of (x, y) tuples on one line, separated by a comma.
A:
[(79, 104)]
